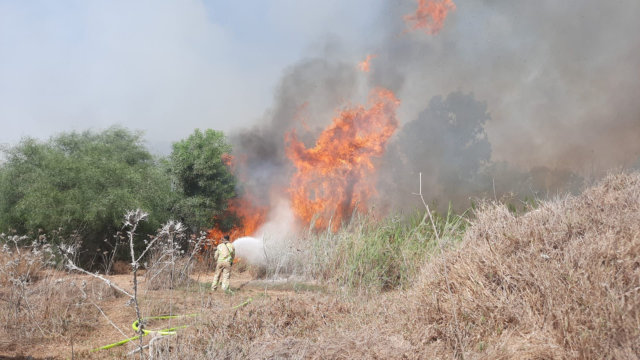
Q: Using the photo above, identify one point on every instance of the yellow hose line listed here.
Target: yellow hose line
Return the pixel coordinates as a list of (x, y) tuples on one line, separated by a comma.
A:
[(170, 331), (243, 304)]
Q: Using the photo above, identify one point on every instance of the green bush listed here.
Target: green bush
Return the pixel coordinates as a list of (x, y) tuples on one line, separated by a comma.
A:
[(202, 177), (84, 182)]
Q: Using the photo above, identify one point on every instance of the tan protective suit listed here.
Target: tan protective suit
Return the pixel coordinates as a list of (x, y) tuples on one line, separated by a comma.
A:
[(225, 252)]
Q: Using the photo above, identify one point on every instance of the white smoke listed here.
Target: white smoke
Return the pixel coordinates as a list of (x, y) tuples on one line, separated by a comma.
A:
[(270, 238), (280, 223)]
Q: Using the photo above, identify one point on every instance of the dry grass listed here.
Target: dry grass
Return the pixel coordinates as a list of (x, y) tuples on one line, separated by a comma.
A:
[(121, 267), (49, 310), (559, 282), (39, 305)]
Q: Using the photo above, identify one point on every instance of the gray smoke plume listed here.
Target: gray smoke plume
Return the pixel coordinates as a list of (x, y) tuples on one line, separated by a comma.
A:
[(307, 96), (526, 96), (559, 80)]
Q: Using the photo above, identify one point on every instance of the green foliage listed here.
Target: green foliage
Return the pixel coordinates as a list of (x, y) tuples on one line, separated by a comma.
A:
[(202, 177), (82, 182), (381, 255)]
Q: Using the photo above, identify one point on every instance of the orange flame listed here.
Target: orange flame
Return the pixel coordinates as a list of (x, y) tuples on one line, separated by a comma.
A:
[(227, 159), (365, 66), (337, 176), (250, 216), (430, 15)]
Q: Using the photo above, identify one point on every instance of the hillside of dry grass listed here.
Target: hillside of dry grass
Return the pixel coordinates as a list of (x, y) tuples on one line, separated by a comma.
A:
[(558, 282), (562, 281)]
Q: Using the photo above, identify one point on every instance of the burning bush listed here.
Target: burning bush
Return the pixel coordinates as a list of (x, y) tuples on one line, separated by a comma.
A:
[(337, 176)]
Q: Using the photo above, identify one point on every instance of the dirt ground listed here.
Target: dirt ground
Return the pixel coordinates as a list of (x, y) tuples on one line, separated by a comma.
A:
[(192, 299)]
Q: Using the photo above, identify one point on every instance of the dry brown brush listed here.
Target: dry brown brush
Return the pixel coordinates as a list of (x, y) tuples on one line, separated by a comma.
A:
[(561, 281)]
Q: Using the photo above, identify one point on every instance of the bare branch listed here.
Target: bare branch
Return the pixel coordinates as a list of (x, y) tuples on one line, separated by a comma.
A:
[(100, 309), (72, 266)]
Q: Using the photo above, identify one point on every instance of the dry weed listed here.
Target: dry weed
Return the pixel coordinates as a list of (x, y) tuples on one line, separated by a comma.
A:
[(50, 309), (561, 281), (121, 267)]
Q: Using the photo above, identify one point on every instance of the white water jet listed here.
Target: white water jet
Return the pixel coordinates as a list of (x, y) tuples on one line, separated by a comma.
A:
[(279, 225), (250, 249)]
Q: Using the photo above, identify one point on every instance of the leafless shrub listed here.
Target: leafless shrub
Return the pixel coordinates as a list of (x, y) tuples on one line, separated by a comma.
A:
[(22, 259), (132, 219), (169, 265), (165, 273)]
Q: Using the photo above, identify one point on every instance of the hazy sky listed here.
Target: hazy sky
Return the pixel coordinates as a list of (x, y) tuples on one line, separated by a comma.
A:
[(565, 73), (162, 66)]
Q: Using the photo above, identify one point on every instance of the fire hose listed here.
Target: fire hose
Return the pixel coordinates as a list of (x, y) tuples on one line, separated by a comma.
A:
[(163, 332)]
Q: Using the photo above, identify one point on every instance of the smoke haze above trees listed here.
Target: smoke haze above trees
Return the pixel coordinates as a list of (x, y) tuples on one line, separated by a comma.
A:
[(558, 81)]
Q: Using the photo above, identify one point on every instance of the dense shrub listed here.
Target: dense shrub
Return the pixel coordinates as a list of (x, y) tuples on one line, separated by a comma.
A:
[(200, 168), (82, 182)]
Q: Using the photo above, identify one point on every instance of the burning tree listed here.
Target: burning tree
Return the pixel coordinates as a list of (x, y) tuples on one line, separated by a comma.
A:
[(338, 176)]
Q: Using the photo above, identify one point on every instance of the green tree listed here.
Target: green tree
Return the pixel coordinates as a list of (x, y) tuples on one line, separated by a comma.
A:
[(82, 182), (202, 175)]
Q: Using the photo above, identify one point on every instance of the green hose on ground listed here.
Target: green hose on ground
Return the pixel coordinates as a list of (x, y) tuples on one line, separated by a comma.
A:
[(243, 304), (164, 332)]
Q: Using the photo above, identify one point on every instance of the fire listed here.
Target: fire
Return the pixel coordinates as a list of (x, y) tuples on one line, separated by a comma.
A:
[(365, 66), (251, 218), (248, 216), (337, 176), (430, 15), (228, 159)]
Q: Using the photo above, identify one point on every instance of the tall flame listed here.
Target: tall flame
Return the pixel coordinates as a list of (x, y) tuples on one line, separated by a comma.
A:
[(430, 15), (250, 216), (365, 66), (337, 176)]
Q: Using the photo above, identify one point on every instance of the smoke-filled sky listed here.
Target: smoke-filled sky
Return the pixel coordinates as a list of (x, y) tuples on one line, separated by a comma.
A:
[(560, 79), (162, 66)]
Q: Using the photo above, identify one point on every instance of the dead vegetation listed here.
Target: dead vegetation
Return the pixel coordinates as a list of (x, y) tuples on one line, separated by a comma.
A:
[(558, 282), (561, 281)]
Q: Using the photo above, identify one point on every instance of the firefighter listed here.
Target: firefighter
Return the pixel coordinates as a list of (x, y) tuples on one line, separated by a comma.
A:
[(225, 252)]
